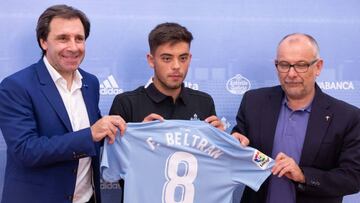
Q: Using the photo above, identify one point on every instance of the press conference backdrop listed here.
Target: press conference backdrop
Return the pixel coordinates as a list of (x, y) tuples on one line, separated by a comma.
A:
[(233, 50)]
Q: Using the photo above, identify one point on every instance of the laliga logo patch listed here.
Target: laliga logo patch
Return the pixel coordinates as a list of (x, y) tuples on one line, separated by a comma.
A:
[(238, 84), (261, 159)]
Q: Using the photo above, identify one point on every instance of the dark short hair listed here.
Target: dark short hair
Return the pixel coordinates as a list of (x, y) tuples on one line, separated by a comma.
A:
[(168, 32), (59, 11)]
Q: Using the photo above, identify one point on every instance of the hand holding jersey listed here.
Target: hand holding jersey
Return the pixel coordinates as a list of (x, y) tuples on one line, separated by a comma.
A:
[(108, 126), (286, 166), (242, 138)]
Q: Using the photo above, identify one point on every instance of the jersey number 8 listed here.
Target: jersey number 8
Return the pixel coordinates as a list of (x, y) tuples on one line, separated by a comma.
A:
[(184, 183)]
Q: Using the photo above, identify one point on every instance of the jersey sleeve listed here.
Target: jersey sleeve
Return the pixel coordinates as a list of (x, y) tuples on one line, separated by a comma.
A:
[(251, 167), (247, 165), (115, 159)]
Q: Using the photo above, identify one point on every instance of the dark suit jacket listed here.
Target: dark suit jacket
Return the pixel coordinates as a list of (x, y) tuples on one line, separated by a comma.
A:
[(330, 158), (42, 149)]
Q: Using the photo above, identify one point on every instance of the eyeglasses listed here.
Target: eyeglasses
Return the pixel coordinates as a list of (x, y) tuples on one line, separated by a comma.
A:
[(300, 67)]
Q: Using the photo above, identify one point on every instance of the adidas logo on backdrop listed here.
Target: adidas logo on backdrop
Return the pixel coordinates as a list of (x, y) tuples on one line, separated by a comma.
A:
[(110, 87)]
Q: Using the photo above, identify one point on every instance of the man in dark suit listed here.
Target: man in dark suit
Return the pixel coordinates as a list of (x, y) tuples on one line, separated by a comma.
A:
[(313, 137), (50, 119)]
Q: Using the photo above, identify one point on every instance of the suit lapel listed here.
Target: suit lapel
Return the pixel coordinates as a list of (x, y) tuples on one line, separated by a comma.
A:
[(88, 99), (269, 118), (320, 118), (48, 88)]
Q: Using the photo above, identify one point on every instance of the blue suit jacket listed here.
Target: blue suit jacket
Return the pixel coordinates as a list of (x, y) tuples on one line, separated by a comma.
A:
[(330, 158), (42, 149)]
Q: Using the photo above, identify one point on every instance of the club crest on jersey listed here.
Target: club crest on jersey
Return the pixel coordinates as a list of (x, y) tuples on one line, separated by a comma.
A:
[(261, 159), (194, 118), (151, 143)]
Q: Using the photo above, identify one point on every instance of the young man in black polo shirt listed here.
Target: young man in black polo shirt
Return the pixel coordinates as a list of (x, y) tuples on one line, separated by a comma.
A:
[(166, 97)]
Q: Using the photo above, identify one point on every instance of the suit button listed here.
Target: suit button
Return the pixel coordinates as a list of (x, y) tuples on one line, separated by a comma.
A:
[(75, 171), (301, 187), (314, 183)]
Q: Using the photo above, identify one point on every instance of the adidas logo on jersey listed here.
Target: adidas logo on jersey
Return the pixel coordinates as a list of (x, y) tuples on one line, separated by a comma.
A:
[(110, 87)]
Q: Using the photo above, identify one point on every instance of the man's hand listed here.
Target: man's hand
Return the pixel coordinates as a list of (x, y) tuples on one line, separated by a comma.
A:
[(107, 126), (286, 166), (152, 117), (242, 138), (216, 122)]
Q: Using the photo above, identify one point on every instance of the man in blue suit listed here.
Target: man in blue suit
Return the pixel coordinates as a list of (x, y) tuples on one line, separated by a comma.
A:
[(50, 119), (313, 137)]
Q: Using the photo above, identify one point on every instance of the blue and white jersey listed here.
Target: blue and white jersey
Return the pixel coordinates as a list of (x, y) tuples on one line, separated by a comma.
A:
[(181, 161)]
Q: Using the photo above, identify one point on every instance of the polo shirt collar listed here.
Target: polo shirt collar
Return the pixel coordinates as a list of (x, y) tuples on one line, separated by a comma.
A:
[(307, 108), (158, 97)]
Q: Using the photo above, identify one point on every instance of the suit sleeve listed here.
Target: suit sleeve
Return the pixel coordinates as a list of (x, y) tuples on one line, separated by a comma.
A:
[(240, 118), (344, 178), (26, 144)]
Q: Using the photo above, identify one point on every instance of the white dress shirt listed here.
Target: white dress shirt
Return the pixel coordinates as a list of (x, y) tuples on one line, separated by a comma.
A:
[(76, 110)]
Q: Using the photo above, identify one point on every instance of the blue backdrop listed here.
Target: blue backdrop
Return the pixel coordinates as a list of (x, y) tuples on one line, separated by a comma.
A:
[(233, 49)]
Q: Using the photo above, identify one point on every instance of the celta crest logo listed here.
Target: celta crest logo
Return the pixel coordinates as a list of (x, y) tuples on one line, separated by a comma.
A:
[(110, 87), (238, 84), (261, 159), (194, 118)]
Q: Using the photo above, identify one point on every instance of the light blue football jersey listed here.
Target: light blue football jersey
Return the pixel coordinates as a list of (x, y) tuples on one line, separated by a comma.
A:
[(181, 161)]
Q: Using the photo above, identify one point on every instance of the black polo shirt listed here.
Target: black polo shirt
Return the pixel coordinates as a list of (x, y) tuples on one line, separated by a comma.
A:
[(134, 106)]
